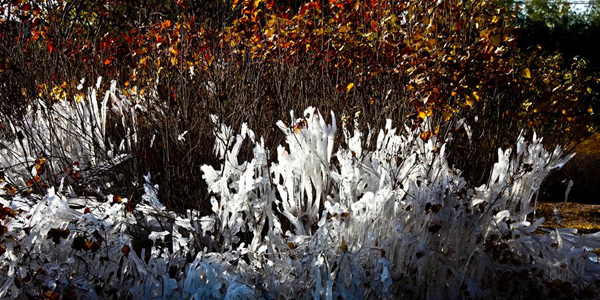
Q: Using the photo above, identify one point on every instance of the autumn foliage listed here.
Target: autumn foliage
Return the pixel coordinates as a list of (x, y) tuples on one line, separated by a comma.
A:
[(402, 59)]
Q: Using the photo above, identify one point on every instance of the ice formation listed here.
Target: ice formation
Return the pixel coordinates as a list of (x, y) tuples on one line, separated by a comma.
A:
[(301, 221)]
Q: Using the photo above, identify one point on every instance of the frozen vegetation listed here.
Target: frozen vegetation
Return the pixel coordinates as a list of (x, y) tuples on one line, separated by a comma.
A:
[(308, 220)]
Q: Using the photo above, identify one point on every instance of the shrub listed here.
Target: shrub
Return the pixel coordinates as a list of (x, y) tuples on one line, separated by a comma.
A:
[(396, 221), (77, 144), (381, 59)]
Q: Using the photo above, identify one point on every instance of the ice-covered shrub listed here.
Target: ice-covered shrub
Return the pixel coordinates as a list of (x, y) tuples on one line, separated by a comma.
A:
[(68, 140), (307, 222), (395, 221)]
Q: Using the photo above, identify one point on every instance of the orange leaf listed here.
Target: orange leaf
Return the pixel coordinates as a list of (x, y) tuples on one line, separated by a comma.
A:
[(426, 135), (107, 61)]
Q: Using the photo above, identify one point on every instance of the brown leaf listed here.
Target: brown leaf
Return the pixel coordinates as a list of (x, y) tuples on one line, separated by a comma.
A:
[(126, 250)]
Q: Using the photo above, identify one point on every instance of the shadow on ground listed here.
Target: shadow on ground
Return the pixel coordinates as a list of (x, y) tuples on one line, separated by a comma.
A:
[(583, 169)]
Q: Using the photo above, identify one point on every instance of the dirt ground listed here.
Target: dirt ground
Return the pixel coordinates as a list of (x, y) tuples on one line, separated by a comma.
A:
[(584, 217)]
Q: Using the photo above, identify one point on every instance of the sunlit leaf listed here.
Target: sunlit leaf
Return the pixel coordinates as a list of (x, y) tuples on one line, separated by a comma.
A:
[(349, 87)]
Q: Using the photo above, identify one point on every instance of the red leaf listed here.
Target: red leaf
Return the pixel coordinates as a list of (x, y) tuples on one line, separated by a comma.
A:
[(270, 4), (130, 206), (51, 47), (129, 39)]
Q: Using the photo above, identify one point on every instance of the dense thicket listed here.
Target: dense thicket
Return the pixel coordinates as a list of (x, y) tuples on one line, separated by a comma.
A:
[(255, 60)]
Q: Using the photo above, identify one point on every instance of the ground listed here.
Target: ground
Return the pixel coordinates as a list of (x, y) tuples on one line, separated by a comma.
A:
[(584, 217), (583, 210)]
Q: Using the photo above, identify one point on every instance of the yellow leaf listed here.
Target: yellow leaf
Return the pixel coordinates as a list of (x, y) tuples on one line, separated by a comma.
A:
[(527, 73), (495, 40), (476, 95), (343, 246), (422, 115), (446, 115), (591, 110), (469, 101), (429, 111), (349, 87)]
